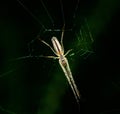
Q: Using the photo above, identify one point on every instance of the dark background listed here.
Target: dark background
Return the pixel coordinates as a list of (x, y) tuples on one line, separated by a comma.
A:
[(38, 85)]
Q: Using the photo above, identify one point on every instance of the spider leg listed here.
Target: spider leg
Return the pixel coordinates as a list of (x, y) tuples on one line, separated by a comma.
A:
[(47, 45), (68, 52), (50, 57), (62, 37)]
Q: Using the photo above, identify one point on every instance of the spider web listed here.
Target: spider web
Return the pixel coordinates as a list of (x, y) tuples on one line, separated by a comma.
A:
[(52, 21), (48, 18)]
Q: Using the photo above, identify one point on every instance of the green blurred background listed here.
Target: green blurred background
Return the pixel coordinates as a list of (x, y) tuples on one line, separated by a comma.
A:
[(38, 85)]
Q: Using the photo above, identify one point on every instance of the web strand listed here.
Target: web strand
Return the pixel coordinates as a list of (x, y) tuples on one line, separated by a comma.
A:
[(63, 16), (50, 17), (75, 11), (31, 13)]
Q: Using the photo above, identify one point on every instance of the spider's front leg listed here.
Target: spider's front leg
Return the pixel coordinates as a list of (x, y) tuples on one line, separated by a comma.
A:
[(50, 57)]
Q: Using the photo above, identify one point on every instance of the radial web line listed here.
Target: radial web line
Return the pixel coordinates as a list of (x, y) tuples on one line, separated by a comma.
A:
[(63, 16), (75, 11), (50, 17)]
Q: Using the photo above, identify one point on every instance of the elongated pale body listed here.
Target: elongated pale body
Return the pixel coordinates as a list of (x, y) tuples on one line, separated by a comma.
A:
[(57, 47), (59, 51)]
